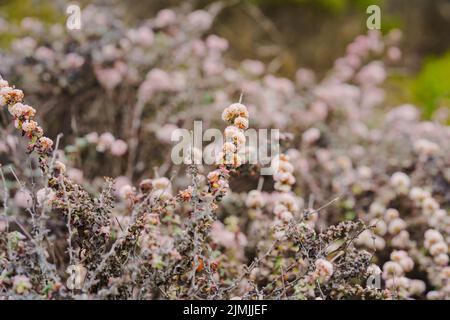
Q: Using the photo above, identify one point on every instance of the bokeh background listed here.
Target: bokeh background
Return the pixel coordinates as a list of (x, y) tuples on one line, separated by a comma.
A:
[(303, 33)]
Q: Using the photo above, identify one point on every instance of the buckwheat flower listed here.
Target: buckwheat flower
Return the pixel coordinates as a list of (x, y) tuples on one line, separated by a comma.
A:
[(278, 208), (200, 19), (159, 79), (391, 214), (253, 67), (186, 194), (396, 225), (396, 283), (146, 185), (16, 109), (311, 135), (279, 186), (143, 36), (23, 199), (21, 284), (16, 95), (445, 273), (126, 192), (429, 206), (161, 183), (441, 259), (439, 217), (109, 78), (255, 199), (372, 241), (403, 113), (373, 269), (438, 248), (324, 269), (77, 275), (286, 216), (29, 126), (213, 176), (238, 138), (397, 255), (229, 113), (371, 74), (407, 264), (165, 18), (394, 54), (230, 131), (216, 43), (305, 78), (376, 209), (284, 177), (400, 182), (418, 195), (229, 147), (45, 144), (431, 237), (75, 175), (164, 133), (72, 61), (161, 194), (241, 123), (242, 110), (425, 147), (285, 166), (417, 287), (392, 269), (92, 137), (380, 227), (401, 240), (45, 197), (59, 166), (118, 148), (3, 83), (433, 295), (105, 141)]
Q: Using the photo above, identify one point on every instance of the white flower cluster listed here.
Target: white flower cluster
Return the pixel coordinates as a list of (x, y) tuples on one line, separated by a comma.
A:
[(437, 247), (394, 275), (324, 270), (107, 142), (284, 179), (236, 115), (255, 200), (23, 115)]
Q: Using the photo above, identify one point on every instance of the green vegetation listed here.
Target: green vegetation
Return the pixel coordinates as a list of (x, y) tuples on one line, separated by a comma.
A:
[(431, 88)]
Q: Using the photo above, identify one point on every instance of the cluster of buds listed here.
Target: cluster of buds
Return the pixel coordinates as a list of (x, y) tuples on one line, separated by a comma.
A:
[(107, 142), (284, 179), (237, 116), (400, 182), (9, 95), (394, 275), (286, 204), (218, 182), (436, 246), (430, 207), (23, 118), (158, 189), (323, 270)]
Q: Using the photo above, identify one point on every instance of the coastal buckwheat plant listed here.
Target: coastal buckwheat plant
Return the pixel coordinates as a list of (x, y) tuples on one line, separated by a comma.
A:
[(93, 207)]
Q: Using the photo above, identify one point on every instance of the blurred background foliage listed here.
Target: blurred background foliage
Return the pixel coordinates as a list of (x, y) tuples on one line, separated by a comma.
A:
[(289, 34)]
